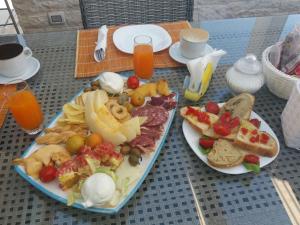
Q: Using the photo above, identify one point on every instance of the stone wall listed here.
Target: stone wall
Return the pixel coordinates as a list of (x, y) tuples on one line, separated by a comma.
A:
[(33, 17), (33, 13)]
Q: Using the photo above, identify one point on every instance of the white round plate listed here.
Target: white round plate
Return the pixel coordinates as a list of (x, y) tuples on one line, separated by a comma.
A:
[(175, 53), (123, 37), (192, 136), (30, 71)]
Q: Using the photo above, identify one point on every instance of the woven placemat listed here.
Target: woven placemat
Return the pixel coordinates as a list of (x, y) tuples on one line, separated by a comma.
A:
[(3, 108), (116, 60)]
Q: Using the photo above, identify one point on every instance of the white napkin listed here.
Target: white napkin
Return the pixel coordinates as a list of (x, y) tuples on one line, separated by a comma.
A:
[(290, 119), (197, 67), (99, 53)]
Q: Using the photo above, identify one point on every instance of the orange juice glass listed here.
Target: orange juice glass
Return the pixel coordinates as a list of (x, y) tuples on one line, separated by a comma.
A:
[(25, 108), (143, 56)]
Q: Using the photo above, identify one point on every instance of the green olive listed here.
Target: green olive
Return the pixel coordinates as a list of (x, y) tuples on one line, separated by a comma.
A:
[(134, 160), (87, 89), (125, 149), (129, 107), (95, 83), (123, 98), (94, 88), (136, 152)]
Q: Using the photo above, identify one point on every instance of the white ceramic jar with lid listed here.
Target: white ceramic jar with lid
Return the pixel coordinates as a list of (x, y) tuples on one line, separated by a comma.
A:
[(245, 75)]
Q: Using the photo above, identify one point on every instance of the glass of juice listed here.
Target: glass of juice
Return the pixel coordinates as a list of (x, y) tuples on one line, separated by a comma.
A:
[(25, 108), (143, 56)]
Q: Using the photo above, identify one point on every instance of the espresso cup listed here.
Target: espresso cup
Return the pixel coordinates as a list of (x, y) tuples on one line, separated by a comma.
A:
[(13, 59), (193, 42)]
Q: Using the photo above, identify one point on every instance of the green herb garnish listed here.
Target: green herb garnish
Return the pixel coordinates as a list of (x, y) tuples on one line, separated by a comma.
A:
[(205, 151), (252, 167)]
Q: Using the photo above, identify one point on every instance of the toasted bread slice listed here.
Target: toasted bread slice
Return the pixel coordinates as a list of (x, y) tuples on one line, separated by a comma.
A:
[(212, 134), (240, 106), (201, 127), (268, 148), (224, 154)]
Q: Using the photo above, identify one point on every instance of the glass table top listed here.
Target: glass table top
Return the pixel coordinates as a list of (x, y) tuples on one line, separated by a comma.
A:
[(180, 189)]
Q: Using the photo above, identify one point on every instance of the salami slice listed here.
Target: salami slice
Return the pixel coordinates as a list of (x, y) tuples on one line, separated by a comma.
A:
[(143, 111), (156, 115), (160, 116)]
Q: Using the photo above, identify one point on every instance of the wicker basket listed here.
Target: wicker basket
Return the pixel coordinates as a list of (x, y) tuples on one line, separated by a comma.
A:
[(279, 83)]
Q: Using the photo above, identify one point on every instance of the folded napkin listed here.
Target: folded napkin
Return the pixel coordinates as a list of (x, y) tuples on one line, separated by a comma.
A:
[(290, 119), (99, 53)]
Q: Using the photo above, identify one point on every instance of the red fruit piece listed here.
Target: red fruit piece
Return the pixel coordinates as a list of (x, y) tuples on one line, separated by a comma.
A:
[(48, 173), (254, 132), (206, 142), (255, 122), (254, 139), (234, 122), (225, 117), (201, 116), (254, 159), (212, 107), (133, 82), (221, 129), (264, 138), (244, 130)]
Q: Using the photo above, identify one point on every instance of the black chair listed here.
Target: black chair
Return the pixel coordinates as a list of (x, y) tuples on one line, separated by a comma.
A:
[(114, 12)]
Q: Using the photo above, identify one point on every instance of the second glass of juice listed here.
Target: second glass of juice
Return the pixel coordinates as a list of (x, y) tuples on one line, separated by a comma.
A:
[(143, 56), (25, 109)]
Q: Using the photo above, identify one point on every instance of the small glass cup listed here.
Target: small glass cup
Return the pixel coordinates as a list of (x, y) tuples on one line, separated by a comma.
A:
[(143, 59), (24, 107)]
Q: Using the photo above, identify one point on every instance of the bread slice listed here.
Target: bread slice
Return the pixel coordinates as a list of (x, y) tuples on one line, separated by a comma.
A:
[(240, 106), (201, 127), (212, 134), (242, 140), (224, 154)]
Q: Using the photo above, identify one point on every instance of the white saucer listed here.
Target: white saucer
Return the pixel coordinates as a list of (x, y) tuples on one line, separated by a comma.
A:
[(175, 53), (30, 71)]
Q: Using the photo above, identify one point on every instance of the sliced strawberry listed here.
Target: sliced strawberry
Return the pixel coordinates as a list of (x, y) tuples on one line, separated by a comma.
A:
[(225, 117), (221, 129), (254, 139), (254, 132), (244, 130), (206, 142), (264, 138), (201, 116), (212, 107), (250, 158), (255, 122), (235, 122)]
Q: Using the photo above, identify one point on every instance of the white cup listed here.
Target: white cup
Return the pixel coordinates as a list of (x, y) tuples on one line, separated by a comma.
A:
[(193, 42), (13, 59)]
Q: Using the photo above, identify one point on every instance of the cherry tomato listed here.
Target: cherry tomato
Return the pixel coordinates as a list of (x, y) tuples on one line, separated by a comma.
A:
[(133, 82), (48, 173), (255, 122), (254, 159), (212, 107), (206, 142), (222, 129)]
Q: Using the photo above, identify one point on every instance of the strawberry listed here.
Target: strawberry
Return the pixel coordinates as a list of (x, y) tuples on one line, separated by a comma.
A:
[(212, 107), (234, 122), (250, 158), (206, 142), (221, 129), (244, 130), (255, 122)]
